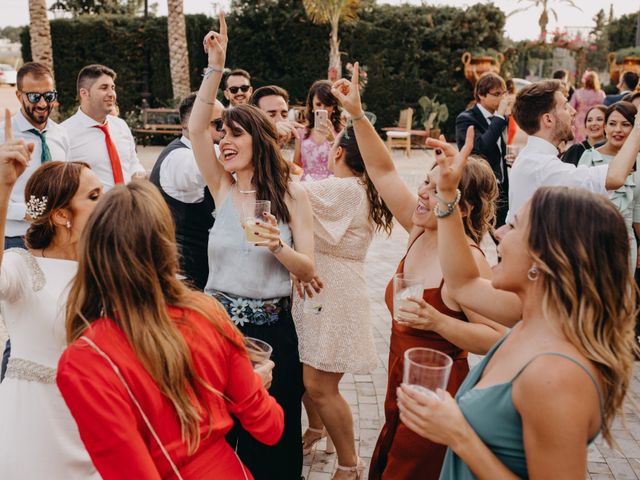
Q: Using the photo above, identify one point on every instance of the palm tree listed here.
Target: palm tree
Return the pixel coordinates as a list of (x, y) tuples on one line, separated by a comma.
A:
[(178, 53), (543, 20), (332, 11), (40, 33)]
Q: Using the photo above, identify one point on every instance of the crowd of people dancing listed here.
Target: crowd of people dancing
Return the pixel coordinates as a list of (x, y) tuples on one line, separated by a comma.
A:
[(174, 325)]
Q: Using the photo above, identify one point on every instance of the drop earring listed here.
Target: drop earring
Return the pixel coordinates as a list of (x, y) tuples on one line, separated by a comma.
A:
[(533, 273)]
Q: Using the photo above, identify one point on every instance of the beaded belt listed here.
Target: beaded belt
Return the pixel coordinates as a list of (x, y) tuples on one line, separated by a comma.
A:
[(22, 369), (252, 311)]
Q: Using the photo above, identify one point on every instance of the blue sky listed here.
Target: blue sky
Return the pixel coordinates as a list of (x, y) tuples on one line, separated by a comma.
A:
[(519, 26)]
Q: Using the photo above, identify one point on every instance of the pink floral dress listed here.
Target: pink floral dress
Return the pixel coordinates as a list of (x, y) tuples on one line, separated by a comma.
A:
[(582, 100), (314, 157)]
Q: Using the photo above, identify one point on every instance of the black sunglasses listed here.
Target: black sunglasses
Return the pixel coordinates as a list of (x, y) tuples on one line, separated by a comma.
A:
[(34, 97), (217, 124), (244, 88)]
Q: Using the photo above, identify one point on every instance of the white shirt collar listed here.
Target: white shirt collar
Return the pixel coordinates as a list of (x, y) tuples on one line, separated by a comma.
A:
[(540, 145), (186, 141), (87, 121), (486, 113), (24, 125)]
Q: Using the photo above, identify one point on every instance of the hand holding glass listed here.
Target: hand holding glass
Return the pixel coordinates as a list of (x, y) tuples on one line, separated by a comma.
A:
[(259, 350), (405, 286), (426, 370), (252, 213)]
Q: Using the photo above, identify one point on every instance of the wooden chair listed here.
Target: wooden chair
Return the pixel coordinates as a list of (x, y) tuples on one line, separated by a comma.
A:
[(400, 136)]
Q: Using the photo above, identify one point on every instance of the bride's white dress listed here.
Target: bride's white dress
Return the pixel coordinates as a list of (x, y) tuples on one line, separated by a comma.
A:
[(38, 437)]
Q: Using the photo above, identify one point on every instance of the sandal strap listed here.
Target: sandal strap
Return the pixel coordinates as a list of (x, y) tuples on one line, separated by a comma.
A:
[(315, 430)]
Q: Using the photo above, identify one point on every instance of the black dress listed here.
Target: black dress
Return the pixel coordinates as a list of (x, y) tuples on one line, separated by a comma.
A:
[(574, 152)]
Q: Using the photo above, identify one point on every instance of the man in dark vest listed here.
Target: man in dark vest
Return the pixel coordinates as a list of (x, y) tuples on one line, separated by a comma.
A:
[(176, 175), (489, 119)]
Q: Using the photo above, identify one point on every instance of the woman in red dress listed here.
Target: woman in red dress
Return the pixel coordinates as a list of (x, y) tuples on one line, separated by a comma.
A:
[(452, 329), (154, 370)]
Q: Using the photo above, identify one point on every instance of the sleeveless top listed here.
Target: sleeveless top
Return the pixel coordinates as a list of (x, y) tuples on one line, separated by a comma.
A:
[(492, 415), (242, 268)]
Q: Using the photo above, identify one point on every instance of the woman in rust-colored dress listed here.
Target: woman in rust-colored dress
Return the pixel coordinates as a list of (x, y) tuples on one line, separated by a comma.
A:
[(400, 453)]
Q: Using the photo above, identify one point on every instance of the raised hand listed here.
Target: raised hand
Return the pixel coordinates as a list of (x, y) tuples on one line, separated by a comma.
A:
[(348, 92), (14, 154), (215, 44), (451, 161)]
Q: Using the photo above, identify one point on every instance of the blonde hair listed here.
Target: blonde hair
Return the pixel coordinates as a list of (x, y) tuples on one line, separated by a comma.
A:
[(478, 194), (582, 249), (127, 272)]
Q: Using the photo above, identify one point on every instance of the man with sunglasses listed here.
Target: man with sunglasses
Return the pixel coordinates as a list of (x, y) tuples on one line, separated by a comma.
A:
[(97, 137), (238, 87), (489, 119), (37, 95), (178, 178)]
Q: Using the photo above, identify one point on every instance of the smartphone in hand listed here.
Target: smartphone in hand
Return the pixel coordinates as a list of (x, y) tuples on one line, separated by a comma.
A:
[(320, 118)]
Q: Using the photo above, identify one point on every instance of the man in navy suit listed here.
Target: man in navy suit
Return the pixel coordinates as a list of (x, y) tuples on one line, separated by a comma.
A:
[(489, 119), (628, 83)]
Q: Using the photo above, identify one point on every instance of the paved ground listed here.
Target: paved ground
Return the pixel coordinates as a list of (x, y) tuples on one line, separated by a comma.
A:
[(365, 393)]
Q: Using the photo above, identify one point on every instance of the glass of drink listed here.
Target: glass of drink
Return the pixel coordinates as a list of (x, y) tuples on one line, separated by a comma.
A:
[(405, 286), (313, 304), (259, 350), (512, 153), (252, 213), (426, 370)]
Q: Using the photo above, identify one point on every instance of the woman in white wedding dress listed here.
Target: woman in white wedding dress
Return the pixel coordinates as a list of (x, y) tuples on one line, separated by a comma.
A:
[(38, 437)]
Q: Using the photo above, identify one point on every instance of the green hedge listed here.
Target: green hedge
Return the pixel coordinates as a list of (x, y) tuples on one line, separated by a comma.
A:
[(410, 51), (622, 31)]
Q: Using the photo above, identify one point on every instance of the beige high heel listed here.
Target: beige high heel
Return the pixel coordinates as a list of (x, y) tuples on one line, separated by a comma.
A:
[(330, 448), (358, 469)]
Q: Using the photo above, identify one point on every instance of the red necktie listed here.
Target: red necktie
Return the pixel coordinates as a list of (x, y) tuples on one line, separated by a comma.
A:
[(118, 177)]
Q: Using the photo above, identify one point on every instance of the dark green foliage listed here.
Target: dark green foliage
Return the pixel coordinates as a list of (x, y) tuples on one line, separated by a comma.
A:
[(622, 31), (410, 51), (11, 33)]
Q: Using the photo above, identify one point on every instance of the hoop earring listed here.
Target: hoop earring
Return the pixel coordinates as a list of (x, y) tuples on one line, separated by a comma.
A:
[(533, 273)]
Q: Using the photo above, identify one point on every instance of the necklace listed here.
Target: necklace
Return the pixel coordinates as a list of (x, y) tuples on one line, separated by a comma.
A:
[(246, 191)]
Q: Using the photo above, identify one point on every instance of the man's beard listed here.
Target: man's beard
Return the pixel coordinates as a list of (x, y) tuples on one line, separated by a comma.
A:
[(30, 111)]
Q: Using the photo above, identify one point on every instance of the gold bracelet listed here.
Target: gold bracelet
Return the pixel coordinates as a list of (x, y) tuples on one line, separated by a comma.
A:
[(279, 248), (359, 117)]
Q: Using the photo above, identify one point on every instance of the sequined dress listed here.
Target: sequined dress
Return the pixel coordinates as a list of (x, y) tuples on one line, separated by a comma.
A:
[(340, 337), (38, 436)]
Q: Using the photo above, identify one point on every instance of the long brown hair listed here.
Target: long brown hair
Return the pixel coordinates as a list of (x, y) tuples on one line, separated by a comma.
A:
[(580, 244), (58, 183), (322, 90), (127, 272), (478, 194), (379, 213), (270, 170)]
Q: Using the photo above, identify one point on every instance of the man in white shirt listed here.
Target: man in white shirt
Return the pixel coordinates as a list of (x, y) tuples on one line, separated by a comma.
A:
[(97, 137), (178, 178), (36, 93), (543, 112)]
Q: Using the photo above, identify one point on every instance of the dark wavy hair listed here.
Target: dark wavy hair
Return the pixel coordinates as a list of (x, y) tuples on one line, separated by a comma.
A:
[(270, 170), (58, 182), (379, 213), (322, 89)]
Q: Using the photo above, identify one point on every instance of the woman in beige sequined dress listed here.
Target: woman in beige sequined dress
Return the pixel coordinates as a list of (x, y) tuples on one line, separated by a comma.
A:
[(347, 212)]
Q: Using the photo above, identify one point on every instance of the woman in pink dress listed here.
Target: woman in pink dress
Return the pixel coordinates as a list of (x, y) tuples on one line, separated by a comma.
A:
[(582, 100), (313, 146)]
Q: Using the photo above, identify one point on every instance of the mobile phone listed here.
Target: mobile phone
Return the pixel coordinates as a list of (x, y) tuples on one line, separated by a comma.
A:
[(320, 117)]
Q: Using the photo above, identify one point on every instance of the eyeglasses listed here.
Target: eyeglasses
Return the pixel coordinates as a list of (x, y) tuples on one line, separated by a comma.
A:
[(34, 97), (497, 94), (234, 90), (217, 124)]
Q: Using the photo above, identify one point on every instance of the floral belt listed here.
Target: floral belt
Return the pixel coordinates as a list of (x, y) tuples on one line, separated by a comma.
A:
[(22, 369), (252, 311)]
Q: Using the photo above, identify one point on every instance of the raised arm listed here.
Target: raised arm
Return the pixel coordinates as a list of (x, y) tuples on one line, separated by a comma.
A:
[(380, 168), (624, 161), (461, 274), (215, 44), (14, 158)]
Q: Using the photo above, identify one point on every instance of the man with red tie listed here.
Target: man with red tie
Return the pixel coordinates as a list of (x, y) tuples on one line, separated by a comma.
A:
[(97, 137)]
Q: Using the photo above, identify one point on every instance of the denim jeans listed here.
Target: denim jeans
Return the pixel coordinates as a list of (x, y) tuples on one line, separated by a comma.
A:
[(9, 242)]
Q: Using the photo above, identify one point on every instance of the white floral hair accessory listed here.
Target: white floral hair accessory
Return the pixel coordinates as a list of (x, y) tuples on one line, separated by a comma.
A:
[(36, 206)]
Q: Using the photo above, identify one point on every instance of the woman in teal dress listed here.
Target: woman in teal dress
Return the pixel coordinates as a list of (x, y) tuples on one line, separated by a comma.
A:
[(618, 125), (560, 376)]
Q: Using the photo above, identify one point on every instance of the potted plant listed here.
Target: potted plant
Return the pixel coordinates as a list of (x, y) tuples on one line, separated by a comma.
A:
[(433, 114)]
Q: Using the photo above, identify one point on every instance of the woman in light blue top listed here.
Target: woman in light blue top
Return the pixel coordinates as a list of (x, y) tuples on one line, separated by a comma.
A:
[(618, 125), (559, 378), (252, 280)]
